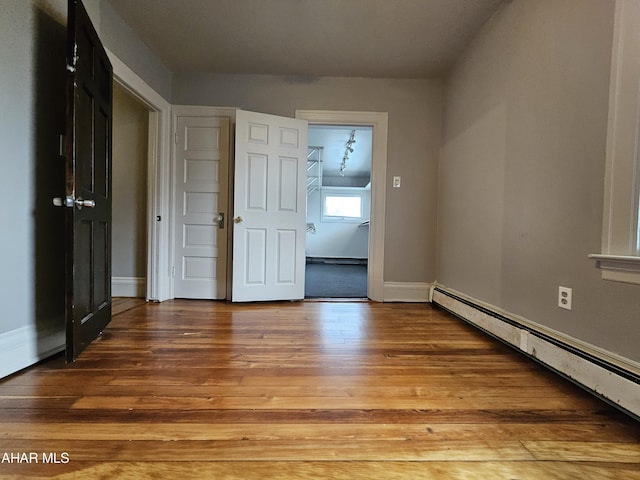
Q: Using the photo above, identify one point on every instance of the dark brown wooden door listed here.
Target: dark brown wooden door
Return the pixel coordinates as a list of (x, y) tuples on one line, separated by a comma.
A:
[(88, 183)]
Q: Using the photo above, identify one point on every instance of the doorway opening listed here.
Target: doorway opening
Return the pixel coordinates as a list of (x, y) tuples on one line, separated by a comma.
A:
[(338, 210), (129, 194), (379, 122), (158, 189)]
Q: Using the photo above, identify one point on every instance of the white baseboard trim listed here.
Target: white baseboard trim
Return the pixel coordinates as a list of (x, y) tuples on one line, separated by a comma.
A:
[(128, 287), (407, 292), (609, 376), (23, 347)]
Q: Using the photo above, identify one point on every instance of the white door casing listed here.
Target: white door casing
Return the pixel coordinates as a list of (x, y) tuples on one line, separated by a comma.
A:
[(158, 279), (379, 122), (201, 194), (269, 208)]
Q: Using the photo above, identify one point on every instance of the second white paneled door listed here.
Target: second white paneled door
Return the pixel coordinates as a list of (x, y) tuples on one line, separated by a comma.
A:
[(201, 192), (269, 207)]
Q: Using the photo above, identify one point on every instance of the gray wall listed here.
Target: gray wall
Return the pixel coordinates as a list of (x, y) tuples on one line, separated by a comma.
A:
[(522, 171), (16, 276), (118, 37), (130, 132), (32, 79), (414, 108), (32, 95)]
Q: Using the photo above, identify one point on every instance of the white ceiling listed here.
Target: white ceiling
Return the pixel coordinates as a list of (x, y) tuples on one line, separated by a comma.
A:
[(333, 140), (356, 38)]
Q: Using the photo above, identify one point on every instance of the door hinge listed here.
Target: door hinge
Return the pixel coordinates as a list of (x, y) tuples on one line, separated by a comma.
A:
[(176, 138), (173, 272), (71, 67), (61, 147)]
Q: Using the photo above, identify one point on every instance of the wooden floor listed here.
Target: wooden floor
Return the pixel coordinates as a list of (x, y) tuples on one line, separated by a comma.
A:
[(307, 390)]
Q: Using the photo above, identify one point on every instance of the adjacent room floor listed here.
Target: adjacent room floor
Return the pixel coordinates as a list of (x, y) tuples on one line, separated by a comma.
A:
[(331, 280), (305, 390)]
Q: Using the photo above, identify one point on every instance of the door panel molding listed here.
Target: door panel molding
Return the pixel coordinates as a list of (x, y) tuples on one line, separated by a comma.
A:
[(379, 121), (195, 111), (270, 207), (87, 203), (201, 181)]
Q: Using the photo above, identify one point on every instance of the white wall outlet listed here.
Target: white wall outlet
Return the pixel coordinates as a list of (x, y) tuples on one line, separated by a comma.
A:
[(396, 181), (564, 297)]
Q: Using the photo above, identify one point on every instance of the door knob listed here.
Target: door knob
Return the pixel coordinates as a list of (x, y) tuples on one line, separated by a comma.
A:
[(84, 203), (70, 202), (63, 202), (220, 220), (237, 220)]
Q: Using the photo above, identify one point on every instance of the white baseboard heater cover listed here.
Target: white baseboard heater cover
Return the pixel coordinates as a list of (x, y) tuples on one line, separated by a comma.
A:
[(610, 380)]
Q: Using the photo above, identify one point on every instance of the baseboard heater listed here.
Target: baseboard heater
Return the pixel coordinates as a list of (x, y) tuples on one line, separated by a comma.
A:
[(614, 380), (337, 260)]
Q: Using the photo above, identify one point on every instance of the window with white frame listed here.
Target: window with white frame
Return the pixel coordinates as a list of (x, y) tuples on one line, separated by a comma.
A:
[(343, 205), (619, 259)]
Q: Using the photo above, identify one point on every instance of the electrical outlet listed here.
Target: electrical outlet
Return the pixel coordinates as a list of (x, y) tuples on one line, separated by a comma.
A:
[(564, 297)]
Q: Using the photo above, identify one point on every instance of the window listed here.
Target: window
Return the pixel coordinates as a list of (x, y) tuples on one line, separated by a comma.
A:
[(620, 256), (342, 205)]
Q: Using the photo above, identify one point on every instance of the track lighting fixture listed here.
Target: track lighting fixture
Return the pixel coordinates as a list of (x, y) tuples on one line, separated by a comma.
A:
[(349, 149)]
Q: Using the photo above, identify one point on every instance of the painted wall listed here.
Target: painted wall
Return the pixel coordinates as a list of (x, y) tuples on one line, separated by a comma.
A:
[(130, 132), (32, 80), (522, 171), (16, 278), (414, 107), (118, 37), (33, 40), (336, 239)]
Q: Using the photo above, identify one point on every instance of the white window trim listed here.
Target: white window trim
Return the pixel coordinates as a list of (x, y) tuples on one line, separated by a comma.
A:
[(343, 192), (619, 259)]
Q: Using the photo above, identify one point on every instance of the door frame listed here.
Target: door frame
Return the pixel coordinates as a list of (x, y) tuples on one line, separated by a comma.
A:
[(158, 277), (379, 121), (159, 178)]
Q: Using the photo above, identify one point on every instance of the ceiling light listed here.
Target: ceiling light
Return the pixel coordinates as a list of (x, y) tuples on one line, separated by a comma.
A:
[(349, 149)]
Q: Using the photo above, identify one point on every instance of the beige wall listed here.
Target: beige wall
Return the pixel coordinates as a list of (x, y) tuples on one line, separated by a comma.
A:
[(130, 131), (521, 173), (414, 108)]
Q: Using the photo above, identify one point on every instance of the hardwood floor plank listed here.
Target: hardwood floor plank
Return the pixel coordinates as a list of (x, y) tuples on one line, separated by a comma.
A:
[(594, 451), (122, 304), (204, 389), (539, 435), (281, 450), (157, 402), (333, 470), (338, 390), (614, 422)]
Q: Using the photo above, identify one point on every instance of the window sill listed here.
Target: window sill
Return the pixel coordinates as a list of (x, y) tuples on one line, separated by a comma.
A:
[(618, 268)]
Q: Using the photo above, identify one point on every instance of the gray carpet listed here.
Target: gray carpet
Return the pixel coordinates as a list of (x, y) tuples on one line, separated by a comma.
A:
[(335, 281)]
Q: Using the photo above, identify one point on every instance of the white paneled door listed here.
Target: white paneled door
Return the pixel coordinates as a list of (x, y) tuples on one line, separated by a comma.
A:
[(269, 208), (201, 163)]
